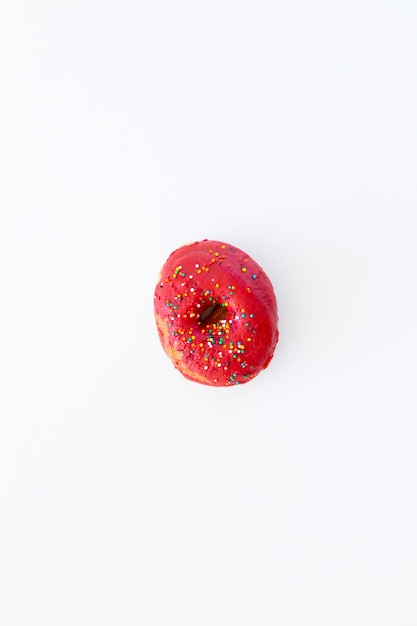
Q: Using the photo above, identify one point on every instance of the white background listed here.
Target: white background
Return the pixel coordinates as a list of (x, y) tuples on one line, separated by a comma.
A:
[(129, 495)]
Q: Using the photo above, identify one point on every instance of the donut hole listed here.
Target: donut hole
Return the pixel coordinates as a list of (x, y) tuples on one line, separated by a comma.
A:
[(212, 314)]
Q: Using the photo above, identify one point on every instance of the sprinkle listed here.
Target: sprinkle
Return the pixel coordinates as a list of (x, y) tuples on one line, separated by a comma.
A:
[(243, 269), (254, 276)]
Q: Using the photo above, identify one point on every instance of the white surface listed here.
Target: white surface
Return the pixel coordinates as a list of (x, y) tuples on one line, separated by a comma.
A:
[(129, 495)]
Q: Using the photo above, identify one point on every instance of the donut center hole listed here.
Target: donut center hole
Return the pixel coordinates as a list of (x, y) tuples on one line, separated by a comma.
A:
[(213, 314)]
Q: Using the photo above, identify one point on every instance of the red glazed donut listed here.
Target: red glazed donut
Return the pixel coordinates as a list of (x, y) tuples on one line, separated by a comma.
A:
[(216, 313)]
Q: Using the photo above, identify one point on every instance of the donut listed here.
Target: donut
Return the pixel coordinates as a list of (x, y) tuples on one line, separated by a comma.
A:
[(216, 313)]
